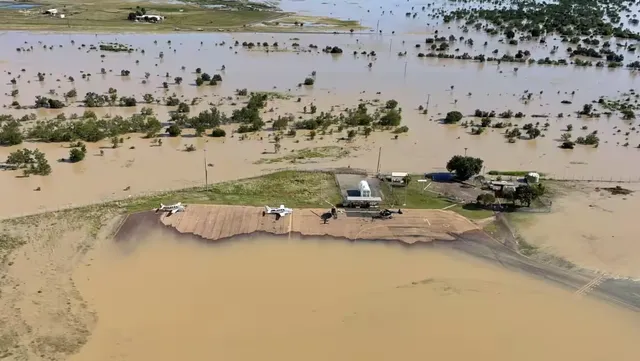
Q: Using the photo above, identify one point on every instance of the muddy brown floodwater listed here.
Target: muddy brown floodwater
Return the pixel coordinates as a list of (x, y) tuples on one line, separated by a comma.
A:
[(163, 298), (342, 81)]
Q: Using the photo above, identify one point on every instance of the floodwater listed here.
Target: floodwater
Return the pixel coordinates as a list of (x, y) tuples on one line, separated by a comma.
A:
[(592, 228), (168, 299), (440, 84)]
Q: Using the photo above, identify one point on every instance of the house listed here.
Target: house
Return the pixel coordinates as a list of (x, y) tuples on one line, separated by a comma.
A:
[(51, 12), (150, 18)]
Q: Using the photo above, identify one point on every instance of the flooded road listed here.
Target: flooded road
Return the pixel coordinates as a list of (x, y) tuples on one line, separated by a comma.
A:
[(163, 298)]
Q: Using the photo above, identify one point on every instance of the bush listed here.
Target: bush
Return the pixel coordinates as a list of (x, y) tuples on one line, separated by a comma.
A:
[(391, 117), (218, 133), (309, 81), (199, 81), (174, 130), (453, 117), (183, 108), (76, 155), (402, 129), (172, 101), (486, 199), (391, 104)]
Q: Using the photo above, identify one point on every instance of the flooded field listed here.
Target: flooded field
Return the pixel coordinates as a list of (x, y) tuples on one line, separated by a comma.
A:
[(439, 85), (320, 299), (591, 227)]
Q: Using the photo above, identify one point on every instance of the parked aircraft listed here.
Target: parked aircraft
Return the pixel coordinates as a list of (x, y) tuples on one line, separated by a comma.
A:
[(279, 212), (172, 209)]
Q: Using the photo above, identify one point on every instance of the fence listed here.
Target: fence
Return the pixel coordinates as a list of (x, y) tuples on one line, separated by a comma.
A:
[(573, 178)]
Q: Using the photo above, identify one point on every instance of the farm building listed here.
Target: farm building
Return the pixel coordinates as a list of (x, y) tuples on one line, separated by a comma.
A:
[(51, 12), (150, 18)]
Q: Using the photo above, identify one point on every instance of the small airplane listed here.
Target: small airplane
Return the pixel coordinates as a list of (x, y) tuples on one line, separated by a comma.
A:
[(172, 209), (279, 212)]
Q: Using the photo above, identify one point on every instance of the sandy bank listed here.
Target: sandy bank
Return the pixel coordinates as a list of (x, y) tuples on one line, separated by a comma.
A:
[(219, 222)]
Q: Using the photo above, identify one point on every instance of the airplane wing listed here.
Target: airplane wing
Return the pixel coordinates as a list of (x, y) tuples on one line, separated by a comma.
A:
[(173, 211), (282, 214)]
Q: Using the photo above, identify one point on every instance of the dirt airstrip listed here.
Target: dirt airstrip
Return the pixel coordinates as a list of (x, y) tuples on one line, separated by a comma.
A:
[(219, 222)]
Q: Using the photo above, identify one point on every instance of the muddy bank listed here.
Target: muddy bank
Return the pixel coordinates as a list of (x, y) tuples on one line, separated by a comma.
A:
[(219, 222)]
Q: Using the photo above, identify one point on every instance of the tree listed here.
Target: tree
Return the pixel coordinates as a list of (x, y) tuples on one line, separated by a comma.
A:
[(391, 104), (178, 80), (20, 158), (533, 133), (486, 199), (510, 34), (199, 81), (565, 137), (464, 167), (115, 142), (525, 194), (76, 155), (391, 117), (351, 134), (174, 130), (309, 81), (183, 108), (280, 123), (276, 144), (453, 117), (407, 180), (218, 133), (10, 133), (367, 132), (628, 114)]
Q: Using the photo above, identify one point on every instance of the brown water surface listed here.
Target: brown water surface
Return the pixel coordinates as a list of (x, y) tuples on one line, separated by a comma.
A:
[(167, 299)]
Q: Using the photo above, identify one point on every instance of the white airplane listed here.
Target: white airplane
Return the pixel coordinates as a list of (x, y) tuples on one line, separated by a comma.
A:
[(172, 209), (279, 212)]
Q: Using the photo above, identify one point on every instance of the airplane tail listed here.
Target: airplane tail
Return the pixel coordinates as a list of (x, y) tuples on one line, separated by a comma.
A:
[(161, 205), (267, 208)]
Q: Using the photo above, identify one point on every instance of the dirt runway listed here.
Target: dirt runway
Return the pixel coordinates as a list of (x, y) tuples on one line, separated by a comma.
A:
[(216, 222)]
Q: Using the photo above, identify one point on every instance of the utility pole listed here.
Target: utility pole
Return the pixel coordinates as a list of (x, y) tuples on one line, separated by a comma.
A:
[(379, 154), (377, 26), (428, 101), (206, 175), (405, 69), (465, 152)]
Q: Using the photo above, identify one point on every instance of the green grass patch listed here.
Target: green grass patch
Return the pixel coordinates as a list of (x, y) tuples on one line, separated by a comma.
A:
[(414, 196), (292, 188), (112, 16), (526, 248), (271, 95), (316, 21), (308, 155)]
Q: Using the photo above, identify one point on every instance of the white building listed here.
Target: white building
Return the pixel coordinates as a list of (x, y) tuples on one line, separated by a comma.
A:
[(150, 18), (365, 190), (51, 12)]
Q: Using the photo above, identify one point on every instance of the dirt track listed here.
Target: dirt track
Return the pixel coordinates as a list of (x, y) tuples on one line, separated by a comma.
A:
[(219, 222)]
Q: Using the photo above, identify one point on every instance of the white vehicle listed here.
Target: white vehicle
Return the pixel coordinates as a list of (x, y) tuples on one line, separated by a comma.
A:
[(172, 209), (279, 212)]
